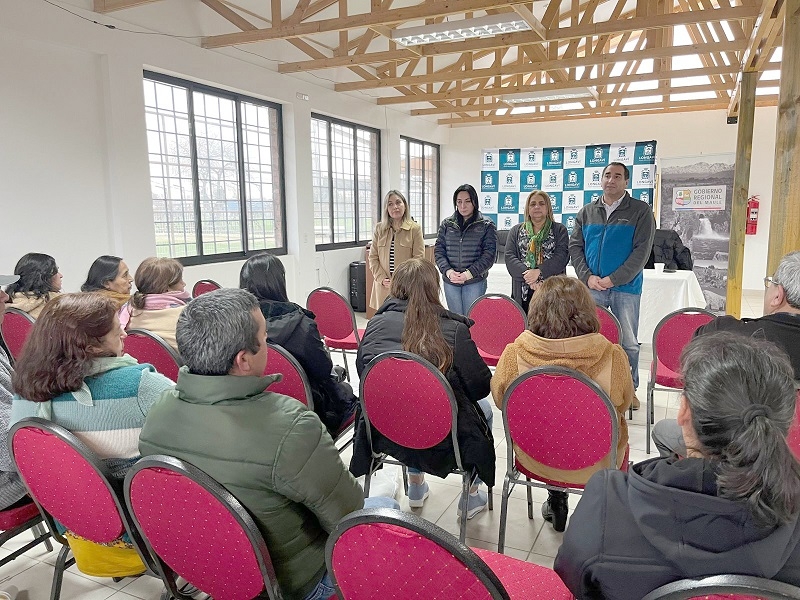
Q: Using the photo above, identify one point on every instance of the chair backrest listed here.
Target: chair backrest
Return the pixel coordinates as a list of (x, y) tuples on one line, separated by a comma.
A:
[(793, 437), (409, 401), (674, 331), (294, 382), (386, 553), (203, 286), (498, 322), (68, 482), (729, 587), (560, 418), (609, 325), (334, 315), (198, 530), (16, 328), (148, 347)]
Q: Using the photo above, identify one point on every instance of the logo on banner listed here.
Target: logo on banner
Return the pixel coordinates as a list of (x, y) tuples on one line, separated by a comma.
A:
[(487, 202), (699, 198), (573, 154), (645, 196), (573, 202), (530, 181), (597, 156), (645, 153), (573, 180), (509, 203), (507, 222), (555, 202), (595, 197), (489, 181), (531, 159), (569, 222), (553, 158), (509, 159)]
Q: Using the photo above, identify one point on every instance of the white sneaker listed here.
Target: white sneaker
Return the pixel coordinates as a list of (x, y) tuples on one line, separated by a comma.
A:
[(475, 503)]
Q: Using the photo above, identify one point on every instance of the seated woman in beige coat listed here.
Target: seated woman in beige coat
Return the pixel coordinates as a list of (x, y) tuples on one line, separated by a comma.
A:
[(160, 297), (563, 330), (39, 282), (397, 238)]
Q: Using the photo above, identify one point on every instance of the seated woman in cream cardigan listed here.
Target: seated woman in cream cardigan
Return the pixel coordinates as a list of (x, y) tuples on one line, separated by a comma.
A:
[(563, 330), (159, 299), (396, 239)]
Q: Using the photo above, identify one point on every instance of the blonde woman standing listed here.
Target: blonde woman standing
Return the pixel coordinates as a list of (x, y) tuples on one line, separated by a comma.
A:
[(396, 239)]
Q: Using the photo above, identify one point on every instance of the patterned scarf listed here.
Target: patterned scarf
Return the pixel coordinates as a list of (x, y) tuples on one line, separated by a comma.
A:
[(534, 256)]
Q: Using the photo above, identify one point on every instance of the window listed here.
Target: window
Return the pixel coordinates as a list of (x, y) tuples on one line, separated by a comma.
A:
[(419, 181), (216, 171), (346, 176)]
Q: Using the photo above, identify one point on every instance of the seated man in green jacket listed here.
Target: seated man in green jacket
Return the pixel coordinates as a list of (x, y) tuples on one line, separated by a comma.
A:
[(271, 452)]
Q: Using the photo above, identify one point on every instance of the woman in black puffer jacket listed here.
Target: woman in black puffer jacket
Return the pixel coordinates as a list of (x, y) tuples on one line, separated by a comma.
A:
[(293, 327)]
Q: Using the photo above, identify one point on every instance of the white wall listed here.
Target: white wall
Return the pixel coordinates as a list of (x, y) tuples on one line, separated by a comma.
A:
[(677, 134), (73, 150)]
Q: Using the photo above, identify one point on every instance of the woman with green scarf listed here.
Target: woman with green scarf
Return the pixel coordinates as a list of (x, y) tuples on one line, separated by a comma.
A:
[(536, 249)]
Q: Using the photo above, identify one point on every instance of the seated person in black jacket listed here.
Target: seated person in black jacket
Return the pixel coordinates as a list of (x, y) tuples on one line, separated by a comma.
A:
[(780, 325), (730, 506), (669, 249), (413, 319), (293, 327)]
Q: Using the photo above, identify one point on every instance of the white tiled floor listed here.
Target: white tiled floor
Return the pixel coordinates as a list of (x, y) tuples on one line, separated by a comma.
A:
[(534, 540)]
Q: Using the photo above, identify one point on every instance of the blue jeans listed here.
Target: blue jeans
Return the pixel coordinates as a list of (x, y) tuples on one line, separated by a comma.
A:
[(460, 297), (486, 407), (325, 589), (626, 308)]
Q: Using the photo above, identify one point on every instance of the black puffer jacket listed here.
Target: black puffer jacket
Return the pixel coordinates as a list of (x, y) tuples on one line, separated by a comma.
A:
[(293, 327), (663, 521), (469, 377), (466, 245)]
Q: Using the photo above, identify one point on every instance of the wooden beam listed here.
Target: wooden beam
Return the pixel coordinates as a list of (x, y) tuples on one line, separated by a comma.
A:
[(784, 225), (383, 17), (741, 192), (535, 24), (444, 76), (107, 6), (228, 13), (347, 61), (277, 17)]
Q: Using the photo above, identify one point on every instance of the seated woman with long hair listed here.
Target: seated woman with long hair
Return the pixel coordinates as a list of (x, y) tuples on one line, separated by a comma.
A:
[(72, 371), (730, 506), (39, 282), (413, 319), (563, 330), (159, 299), (293, 327), (110, 277)]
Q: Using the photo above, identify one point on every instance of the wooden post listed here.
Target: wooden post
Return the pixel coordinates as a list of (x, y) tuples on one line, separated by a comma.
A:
[(741, 187), (784, 226)]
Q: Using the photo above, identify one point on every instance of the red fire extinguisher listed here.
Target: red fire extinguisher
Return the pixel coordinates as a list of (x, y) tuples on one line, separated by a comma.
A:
[(752, 215)]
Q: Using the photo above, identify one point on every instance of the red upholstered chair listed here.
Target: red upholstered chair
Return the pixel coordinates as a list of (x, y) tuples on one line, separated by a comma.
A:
[(793, 437), (725, 587), (336, 321), (294, 382), (672, 333), (392, 555), (69, 484), (203, 286), (609, 325), (14, 521), (196, 529), (498, 322), (148, 347), (561, 419), (408, 401), (16, 327)]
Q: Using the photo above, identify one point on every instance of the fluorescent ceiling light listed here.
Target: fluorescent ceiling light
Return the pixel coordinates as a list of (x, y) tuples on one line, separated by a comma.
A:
[(550, 96), (460, 30)]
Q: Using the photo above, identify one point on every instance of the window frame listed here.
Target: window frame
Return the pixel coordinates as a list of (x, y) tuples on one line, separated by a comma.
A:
[(237, 98), (407, 140), (376, 214)]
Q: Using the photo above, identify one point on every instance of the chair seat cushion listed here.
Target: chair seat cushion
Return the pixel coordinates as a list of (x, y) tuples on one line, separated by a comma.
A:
[(14, 517), (489, 359), (524, 580), (346, 425), (348, 343), (667, 377)]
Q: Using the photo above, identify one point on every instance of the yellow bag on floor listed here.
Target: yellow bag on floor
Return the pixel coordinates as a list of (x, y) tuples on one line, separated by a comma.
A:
[(117, 559)]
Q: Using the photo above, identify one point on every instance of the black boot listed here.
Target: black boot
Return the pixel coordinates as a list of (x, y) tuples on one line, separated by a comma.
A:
[(556, 509)]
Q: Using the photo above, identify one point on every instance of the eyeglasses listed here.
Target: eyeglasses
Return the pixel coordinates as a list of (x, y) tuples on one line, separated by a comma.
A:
[(768, 281)]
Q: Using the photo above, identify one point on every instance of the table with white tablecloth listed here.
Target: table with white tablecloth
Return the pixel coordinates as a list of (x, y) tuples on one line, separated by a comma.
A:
[(662, 293)]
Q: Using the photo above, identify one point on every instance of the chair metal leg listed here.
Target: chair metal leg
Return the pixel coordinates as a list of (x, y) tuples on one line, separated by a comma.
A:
[(501, 540), (405, 479), (650, 414), (368, 478), (465, 483), (530, 498), (346, 367), (491, 502), (62, 564)]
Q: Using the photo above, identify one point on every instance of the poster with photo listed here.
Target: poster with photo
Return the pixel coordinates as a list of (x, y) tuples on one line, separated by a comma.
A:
[(571, 175), (696, 196)]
